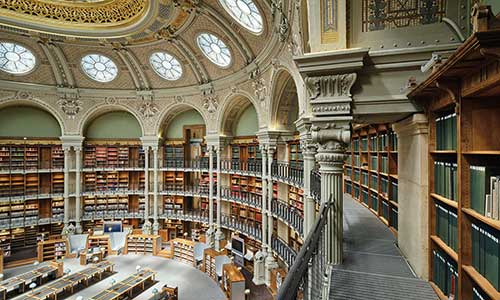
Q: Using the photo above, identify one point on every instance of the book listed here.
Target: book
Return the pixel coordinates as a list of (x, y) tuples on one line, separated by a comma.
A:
[(480, 186)]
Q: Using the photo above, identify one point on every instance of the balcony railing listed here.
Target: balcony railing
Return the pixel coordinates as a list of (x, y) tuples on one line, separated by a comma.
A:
[(252, 166), (290, 172), (289, 215), (310, 265), (316, 185)]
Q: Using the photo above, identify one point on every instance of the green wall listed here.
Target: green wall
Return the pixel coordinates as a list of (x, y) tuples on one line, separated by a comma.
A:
[(495, 6), (248, 124), (190, 117), (114, 125), (25, 121)]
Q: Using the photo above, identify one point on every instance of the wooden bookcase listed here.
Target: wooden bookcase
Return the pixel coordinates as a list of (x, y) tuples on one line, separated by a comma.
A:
[(183, 250), (465, 85), (233, 282), (209, 255), (100, 241), (53, 249), (143, 244), (370, 171)]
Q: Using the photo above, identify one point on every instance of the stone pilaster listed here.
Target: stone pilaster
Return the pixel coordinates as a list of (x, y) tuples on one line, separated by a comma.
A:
[(259, 271), (219, 235), (78, 183), (330, 99), (150, 143)]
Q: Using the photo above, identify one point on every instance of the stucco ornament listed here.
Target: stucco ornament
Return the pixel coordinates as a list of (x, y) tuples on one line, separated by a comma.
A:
[(210, 102), (110, 100), (70, 104), (148, 109), (259, 85)]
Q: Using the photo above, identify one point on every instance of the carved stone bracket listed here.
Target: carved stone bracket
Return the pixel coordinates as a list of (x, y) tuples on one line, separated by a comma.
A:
[(259, 85), (69, 101), (328, 86), (210, 101)]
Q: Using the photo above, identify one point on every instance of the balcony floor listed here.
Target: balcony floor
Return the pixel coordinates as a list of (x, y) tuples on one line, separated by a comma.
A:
[(373, 267)]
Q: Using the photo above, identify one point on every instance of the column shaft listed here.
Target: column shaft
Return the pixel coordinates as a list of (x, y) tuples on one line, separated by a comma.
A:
[(264, 198), (270, 227), (309, 205), (146, 183), (155, 188), (66, 186), (211, 188), (78, 182)]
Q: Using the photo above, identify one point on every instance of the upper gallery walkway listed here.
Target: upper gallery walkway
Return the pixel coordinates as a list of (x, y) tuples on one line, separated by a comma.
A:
[(373, 267)]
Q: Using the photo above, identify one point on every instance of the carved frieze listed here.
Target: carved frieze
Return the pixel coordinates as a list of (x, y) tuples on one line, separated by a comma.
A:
[(69, 102)]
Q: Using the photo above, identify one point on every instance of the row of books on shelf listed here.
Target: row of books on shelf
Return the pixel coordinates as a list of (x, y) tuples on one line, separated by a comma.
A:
[(377, 142), (486, 252), (485, 190), (447, 225), (107, 156), (446, 179), (31, 157), (444, 272), (446, 132)]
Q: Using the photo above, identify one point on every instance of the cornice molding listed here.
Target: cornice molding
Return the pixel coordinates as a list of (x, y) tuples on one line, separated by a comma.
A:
[(333, 62)]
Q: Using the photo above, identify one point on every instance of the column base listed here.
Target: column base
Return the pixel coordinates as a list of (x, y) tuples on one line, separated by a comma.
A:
[(219, 237), (259, 269), (156, 226), (78, 227), (271, 264)]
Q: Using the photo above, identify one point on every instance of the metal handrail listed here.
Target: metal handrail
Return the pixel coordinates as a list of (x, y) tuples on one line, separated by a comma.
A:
[(299, 269)]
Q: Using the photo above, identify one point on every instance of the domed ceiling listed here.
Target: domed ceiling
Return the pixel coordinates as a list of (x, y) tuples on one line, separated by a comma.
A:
[(131, 44)]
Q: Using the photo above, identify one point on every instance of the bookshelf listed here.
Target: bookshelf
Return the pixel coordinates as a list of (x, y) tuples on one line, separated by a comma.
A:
[(53, 249), (143, 244), (233, 282), (31, 155), (99, 241), (464, 155), (370, 171), (183, 250), (113, 155), (209, 255)]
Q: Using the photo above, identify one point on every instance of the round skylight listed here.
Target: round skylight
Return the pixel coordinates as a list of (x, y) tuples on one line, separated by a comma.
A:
[(244, 12), (16, 59), (215, 49), (99, 67), (166, 65)]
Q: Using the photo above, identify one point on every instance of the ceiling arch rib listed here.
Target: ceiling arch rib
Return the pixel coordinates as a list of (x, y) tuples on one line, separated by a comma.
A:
[(70, 80), (52, 60), (226, 28), (132, 72), (144, 82), (199, 70)]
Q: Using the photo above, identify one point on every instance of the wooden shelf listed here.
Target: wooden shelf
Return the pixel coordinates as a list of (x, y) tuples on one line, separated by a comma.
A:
[(438, 291), (447, 152), (481, 152), (442, 245), (445, 200), (482, 282), (472, 213)]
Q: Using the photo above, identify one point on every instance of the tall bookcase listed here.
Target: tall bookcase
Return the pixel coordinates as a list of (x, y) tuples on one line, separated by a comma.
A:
[(371, 171), (460, 99)]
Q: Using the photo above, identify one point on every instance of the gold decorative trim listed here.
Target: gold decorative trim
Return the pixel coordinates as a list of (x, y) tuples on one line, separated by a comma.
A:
[(99, 14)]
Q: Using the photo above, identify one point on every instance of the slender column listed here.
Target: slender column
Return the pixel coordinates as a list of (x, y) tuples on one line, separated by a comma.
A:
[(146, 184), (219, 235), (66, 186), (331, 157), (308, 152), (78, 183), (156, 225), (210, 233), (260, 256), (270, 260)]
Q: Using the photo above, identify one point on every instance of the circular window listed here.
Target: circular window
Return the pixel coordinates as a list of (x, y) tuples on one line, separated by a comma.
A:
[(244, 12), (16, 59), (99, 67), (214, 49), (166, 65)]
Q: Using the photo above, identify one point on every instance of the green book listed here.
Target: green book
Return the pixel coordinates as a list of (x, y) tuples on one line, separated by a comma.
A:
[(475, 246), (481, 250), (491, 251), (454, 131), (453, 231)]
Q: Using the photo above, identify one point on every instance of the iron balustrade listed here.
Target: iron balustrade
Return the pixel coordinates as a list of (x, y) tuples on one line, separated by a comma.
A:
[(291, 172), (284, 251), (309, 268), (289, 214), (251, 166), (316, 185), (198, 163)]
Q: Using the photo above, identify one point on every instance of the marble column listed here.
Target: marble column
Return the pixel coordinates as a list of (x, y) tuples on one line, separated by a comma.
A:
[(146, 184), (309, 153), (211, 232), (330, 156), (270, 260), (260, 256), (156, 225), (219, 235), (78, 183), (66, 150)]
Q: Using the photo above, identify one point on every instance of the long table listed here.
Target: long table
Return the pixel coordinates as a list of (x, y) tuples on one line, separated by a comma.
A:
[(68, 282), (126, 286), (21, 281)]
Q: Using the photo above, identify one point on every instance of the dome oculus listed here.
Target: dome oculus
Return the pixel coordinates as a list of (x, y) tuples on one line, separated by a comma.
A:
[(214, 49), (244, 12), (166, 66), (99, 67), (16, 59)]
